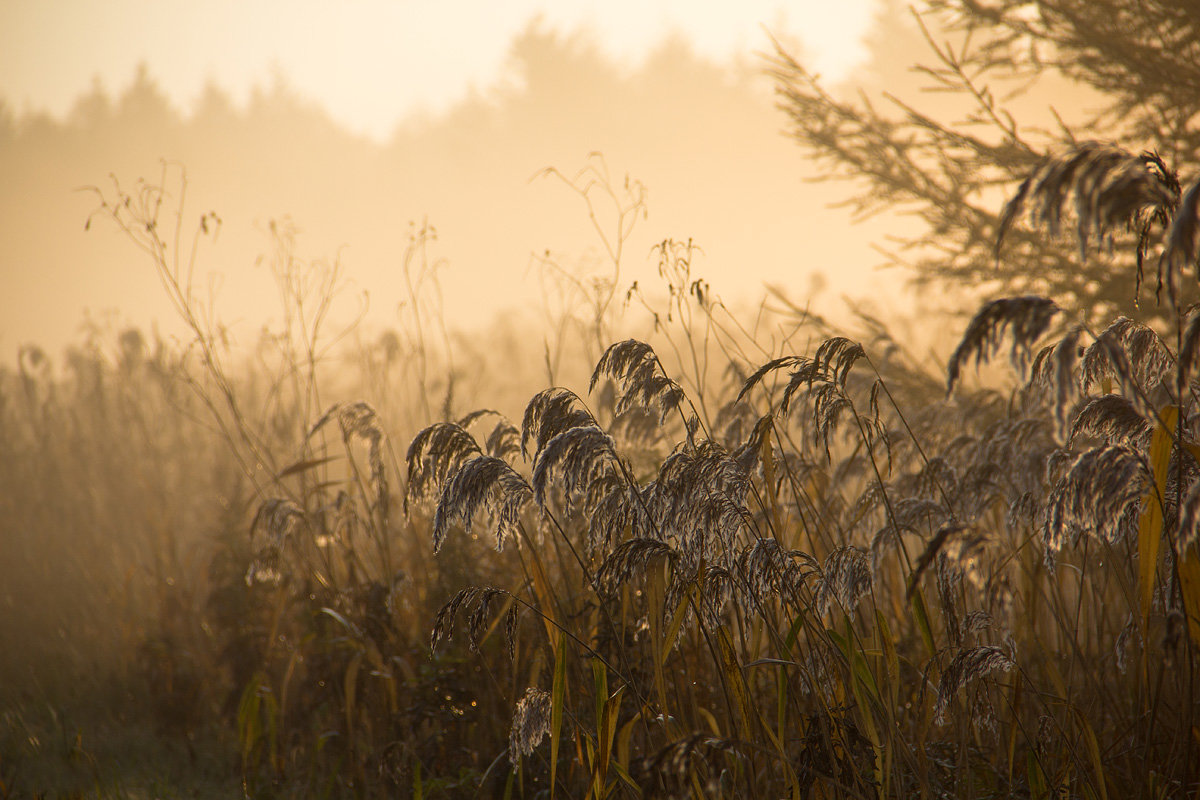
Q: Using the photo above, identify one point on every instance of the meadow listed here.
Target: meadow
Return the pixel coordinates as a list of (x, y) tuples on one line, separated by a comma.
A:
[(722, 559), (654, 546)]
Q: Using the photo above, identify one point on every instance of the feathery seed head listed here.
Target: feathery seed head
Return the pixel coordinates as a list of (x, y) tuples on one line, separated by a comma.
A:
[(486, 484), (845, 578), (961, 547), (1100, 493), (969, 665), (631, 558), (767, 569), (1110, 187), (1189, 518), (551, 412), (671, 773), (1183, 239), (577, 456), (503, 441), (277, 519), (1129, 352), (1026, 317), (359, 421), (775, 364), (640, 377), (1054, 368), (699, 499), (444, 623), (1113, 418), (530, 724), (436, 453)]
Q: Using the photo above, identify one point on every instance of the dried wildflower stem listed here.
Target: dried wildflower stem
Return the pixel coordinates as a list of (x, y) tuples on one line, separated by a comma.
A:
[(379, 524), (801, 497), (628, 209), (605, 610), (139, 221), (590, 581), (701, 414), (883, 384), (584, 646), (891, 511)]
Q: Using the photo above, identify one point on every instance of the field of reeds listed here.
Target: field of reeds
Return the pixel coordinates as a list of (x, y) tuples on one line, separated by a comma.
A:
[(705, 554)]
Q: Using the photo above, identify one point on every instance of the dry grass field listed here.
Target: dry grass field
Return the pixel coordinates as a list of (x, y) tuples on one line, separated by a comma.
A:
[(664, 549)]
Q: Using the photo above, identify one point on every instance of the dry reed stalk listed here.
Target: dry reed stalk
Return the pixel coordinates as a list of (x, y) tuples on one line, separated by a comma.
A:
[(1026, 317), (1100, 493), (966, 667), (482, 484), (530, 724)]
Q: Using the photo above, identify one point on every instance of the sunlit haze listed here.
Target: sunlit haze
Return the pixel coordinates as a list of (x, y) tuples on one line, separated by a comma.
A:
[(603, 399), (371, 62), (356, 120)]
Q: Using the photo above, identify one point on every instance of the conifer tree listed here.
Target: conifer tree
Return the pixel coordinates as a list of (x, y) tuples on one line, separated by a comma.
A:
[(1138, 62)]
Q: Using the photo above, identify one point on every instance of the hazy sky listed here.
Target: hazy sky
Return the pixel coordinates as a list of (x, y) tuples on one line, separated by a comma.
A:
[(461, 103), (369, 62)]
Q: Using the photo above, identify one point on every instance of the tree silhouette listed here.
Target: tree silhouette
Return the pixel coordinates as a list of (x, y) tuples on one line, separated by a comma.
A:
[(1140, 62)]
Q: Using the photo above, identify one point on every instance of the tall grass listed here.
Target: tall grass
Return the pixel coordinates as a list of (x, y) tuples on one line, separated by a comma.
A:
[(107, 531), (760, 560)]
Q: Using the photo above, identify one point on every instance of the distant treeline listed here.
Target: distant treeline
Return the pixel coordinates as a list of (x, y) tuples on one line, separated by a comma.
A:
[(705, 139)]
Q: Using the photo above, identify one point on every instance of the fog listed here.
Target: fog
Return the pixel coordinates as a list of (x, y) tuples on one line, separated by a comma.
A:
[(704, 139)]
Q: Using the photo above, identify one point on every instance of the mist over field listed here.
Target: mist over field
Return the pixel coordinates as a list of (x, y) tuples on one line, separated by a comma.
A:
[(705, 140), (427, 422)]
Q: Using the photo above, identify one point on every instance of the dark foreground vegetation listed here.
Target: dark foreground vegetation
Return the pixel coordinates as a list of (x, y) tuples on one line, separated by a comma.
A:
[(737, 560)]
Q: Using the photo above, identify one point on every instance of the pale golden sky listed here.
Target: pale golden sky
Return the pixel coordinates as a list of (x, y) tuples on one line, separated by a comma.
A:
[(371, 62), (461, 103)]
